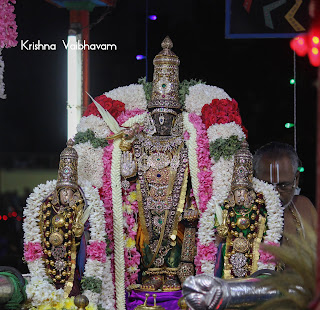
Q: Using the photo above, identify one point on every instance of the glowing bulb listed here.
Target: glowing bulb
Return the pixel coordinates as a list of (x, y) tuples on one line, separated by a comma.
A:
[(300, 41), (315, 51), (289, 125), (140, 57), (292, 81), (315, 40), (301, 169), (152, 17)]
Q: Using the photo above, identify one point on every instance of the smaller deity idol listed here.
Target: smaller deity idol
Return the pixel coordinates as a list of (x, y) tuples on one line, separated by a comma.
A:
[(61, 226), (243, 221)]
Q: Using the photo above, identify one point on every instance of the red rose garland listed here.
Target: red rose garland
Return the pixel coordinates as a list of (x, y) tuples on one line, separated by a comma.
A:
[(114, 107), (221, 111)]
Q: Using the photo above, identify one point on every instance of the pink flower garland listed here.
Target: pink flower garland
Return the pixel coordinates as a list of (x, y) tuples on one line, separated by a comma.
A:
[(32, 251), (204, 252), (132, 256), (266, 257), (124, 116), (106, 197), (8, 26), (97, 251)]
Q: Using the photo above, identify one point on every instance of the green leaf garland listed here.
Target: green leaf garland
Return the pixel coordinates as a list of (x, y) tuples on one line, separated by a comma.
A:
[(83, 137), (91, 283), (224, 147)]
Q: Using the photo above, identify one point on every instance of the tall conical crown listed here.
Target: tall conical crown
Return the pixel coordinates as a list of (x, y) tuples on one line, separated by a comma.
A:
[(165, 87), (242, 171), (68, 167)]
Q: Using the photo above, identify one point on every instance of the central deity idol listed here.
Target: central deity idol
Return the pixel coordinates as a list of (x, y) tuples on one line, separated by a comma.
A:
[(158, 163)]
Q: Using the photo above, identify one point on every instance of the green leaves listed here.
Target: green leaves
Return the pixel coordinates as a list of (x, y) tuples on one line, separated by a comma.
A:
[(91, 283), (89, 136), (224, 147)]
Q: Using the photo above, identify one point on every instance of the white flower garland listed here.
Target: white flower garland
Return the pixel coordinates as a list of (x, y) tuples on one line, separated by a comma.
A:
[(118, 226), (192, 154), (275, 218), (225, 131), (118, 216), (132, 96), (90, 164), (94, 123), (39, 289), (201, 94)]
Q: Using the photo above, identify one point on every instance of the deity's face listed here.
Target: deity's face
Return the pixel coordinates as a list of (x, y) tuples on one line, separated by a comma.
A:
[(240, 196), (65, 195), (163, 123), (279, 172)]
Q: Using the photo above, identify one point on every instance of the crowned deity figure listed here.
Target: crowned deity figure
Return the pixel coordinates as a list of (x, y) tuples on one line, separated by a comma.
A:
[(60, 224), (158, 163), (243, 221), (159, 157)]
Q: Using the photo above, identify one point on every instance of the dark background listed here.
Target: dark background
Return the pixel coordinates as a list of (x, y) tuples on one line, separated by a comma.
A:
[(256, 72)]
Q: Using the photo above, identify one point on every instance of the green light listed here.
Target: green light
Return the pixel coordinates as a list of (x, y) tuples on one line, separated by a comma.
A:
[(292, 81), (301, 169), (289, 125)]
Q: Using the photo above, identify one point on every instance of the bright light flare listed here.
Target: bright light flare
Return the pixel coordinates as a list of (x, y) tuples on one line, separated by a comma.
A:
[(74, 86)]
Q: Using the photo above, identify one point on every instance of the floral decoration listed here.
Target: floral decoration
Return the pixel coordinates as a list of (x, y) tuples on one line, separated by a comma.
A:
[(32, 251), (201, 94), (8, 35), (133, 96), (8, 26), (90, 164), (40, 291), (221, 111), (224, 147), (114, 107), (82, 137), (94, 123)]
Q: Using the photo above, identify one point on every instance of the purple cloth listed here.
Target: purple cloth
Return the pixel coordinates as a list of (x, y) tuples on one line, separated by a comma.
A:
[(168, 300)]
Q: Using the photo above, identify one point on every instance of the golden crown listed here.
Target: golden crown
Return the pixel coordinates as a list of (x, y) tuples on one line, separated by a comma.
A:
[(165, 86), (68, 167), (242, 171)]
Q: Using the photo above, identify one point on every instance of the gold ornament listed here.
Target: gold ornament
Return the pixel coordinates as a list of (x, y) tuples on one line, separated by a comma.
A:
[(241, 244), (243, 222), (56, 239), (58, 220)]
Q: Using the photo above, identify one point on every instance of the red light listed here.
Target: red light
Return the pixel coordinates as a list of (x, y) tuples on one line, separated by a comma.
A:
[(0, 217), (14, 214), (314, 57), (19, 218), (5, 217), (299, 45), (315, 40)]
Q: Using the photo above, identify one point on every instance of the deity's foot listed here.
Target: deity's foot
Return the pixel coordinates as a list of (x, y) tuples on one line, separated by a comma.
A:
[(171, 283), (152, 284)]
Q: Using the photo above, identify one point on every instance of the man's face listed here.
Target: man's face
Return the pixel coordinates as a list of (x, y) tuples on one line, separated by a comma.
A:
[(163, 123), (279, 171)]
